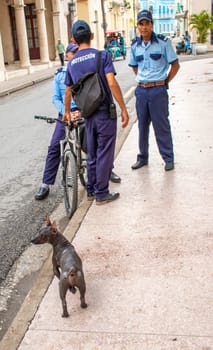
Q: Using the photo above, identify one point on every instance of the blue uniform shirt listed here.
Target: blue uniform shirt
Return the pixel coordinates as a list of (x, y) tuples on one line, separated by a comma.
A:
[(85, 61), (59, 88), (152, 59)]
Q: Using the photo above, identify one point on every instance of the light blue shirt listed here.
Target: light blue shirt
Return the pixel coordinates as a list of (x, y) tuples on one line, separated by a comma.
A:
[(59, 89), (153, 60)]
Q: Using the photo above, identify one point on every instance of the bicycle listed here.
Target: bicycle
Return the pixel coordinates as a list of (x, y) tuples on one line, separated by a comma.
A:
[(73, 160)]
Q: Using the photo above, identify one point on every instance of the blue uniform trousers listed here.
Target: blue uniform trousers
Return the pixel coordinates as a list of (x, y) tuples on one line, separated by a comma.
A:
[(53, 155), (101, 137), (152, 106)]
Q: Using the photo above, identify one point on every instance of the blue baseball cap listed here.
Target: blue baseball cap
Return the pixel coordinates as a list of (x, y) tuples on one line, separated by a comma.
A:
[(71, 47), (80, 27), (145, 14)]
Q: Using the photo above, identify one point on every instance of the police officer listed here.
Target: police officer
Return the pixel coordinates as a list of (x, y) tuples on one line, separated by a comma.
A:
[(101, 126), (53, 155), (155, 64)]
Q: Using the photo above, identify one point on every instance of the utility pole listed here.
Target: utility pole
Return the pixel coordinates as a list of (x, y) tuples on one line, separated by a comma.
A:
[(104, 24)]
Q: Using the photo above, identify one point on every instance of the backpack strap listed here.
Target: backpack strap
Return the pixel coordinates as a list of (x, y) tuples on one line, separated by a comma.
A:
[(98, 66)]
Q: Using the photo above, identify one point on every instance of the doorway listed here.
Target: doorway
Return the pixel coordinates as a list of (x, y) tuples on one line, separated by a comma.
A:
[(32, 31)]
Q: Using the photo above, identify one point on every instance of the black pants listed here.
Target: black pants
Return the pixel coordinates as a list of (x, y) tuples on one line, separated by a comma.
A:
[(61, 56)]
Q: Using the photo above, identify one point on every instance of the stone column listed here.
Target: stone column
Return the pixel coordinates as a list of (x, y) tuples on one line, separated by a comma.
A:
[(2, 67), (21, 34), (42, 31), (56, 20)]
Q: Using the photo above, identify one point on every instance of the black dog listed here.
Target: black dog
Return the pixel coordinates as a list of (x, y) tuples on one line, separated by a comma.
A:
[(67, 265)]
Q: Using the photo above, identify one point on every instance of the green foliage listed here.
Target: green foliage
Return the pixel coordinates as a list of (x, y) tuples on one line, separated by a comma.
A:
[(202, 22)]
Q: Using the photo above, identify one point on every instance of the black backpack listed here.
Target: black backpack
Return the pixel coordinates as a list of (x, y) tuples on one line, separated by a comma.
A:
[(89, 92)]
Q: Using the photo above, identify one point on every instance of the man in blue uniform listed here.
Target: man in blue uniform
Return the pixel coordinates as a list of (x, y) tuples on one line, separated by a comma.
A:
[(150, 58), (100, 127), (53, 156)]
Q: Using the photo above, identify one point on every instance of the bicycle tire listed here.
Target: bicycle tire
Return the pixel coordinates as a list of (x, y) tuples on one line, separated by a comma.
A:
[(70, 184)]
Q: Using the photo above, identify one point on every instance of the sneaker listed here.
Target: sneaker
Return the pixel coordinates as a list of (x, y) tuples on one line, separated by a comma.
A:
[(169, 166), (90, 197), (108, 198)]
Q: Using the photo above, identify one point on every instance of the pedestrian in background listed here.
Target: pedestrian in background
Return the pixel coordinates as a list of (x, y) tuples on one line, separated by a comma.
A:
[(101, 126), (60, 49), (151, 57)]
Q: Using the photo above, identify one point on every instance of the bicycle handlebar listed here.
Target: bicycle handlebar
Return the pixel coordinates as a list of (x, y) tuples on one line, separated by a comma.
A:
[(51, 120), (48, 119)]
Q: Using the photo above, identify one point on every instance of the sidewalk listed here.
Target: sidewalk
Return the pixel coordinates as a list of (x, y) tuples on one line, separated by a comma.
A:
[(147, 257), (20, 79)]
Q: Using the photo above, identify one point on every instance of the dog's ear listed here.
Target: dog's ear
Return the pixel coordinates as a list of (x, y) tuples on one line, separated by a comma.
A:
[(54, 227), (48, 222)]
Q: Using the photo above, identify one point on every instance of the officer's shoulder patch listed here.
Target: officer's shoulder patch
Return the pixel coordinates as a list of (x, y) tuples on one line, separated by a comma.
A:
[(135, 40), (59, 70), (162, 37)]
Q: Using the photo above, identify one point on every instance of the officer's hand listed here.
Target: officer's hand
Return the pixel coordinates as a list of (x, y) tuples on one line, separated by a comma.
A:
[(124, 118), (67, 117)]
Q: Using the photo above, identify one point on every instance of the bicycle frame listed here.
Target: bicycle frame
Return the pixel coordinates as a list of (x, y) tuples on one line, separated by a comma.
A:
[(73, 164)]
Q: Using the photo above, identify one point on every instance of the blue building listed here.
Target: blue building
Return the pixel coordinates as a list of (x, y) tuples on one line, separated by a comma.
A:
[(163, 12)]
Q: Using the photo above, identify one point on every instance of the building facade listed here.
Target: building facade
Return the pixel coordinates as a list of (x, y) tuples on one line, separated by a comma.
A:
[(185, 8), (30, 29), (163, 12)]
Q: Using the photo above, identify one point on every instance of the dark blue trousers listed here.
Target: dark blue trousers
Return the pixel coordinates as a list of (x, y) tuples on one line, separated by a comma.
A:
[(101, 137), (53, 155), (152, 106)]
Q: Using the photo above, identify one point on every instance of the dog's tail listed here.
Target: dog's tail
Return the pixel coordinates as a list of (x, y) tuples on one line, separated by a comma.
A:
[(72, 275)]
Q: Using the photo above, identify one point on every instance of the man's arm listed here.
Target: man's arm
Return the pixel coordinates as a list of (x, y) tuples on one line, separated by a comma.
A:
[(135, 70), (175, 66), (57, 98), (67, 101), (117, 94)]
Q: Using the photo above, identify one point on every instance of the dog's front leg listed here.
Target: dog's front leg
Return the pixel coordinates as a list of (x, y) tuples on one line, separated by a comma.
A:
[(56, 270), (63, 286)]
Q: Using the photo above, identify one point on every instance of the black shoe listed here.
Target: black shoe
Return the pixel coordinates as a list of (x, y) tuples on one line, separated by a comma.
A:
[(139, 164), (42, 193), (115, 178), (108, 198), (90, 197), (169, 166)]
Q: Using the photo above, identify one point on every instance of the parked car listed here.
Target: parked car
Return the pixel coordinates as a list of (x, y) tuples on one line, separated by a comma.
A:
[(169, 35)]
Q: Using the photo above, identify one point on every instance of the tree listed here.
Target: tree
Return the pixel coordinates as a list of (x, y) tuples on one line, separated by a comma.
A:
[(202, 22)]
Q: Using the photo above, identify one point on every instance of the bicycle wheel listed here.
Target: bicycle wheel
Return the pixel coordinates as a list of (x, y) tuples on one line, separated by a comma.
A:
[(70, 184)]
